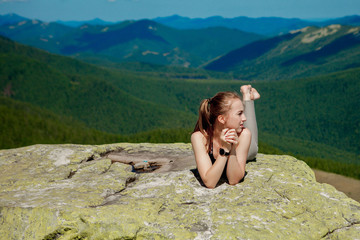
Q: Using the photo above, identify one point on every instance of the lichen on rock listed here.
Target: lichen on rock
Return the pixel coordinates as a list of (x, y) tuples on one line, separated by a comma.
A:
[(80, 192)]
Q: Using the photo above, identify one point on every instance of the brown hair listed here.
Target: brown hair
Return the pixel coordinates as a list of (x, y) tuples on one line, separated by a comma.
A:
[(210, 109)]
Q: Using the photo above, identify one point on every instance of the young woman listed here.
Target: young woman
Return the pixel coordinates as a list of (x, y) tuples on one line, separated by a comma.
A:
[(225, 136)]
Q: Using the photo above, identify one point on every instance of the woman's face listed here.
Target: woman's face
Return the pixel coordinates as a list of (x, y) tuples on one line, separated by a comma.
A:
[(235, 117)]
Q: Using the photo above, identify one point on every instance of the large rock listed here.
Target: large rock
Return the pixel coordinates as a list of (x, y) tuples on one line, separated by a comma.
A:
[(80, 192)]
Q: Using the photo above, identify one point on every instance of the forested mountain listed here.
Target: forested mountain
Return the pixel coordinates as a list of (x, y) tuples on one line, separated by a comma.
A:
[(299, 53), (35, 33), (24, 124), (69, 87), (124, 102), (315, 119), (9, 19), (307, 52), (269, 26), (131, 41)]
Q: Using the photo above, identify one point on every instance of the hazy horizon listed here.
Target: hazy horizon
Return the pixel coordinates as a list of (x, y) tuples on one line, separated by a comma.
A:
[(119, 10), (97, 18)]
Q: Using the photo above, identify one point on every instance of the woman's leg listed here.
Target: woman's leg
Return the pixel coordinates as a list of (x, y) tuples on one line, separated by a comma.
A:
[(251, 124), (249, 95)]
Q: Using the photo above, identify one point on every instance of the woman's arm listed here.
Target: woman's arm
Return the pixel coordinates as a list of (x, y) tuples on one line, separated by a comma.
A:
[(235, 170), (209, 173)]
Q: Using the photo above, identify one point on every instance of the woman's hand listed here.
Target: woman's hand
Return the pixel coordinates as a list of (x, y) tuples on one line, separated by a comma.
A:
[(229, 137)]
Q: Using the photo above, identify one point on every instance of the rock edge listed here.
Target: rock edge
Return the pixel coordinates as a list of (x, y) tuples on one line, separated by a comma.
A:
[(76, 192)]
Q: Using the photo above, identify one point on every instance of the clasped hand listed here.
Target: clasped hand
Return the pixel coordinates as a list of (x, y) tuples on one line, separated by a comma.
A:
[(229, 137)]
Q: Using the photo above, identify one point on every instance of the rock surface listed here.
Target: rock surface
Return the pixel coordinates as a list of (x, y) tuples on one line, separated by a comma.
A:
[(81, 192)]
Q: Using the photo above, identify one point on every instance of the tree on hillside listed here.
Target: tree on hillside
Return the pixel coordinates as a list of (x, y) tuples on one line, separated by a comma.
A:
[(8, 90)]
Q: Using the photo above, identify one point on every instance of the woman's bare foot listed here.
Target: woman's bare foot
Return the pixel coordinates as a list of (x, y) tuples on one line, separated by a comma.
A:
[(245, 91), (249, 93), (254, 94)]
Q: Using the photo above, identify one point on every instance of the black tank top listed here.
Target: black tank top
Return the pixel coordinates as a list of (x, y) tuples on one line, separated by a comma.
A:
[(212, 158), (211, 155)]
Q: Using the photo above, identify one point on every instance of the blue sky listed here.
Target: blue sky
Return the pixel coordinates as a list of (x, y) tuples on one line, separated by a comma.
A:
[(117, 10)]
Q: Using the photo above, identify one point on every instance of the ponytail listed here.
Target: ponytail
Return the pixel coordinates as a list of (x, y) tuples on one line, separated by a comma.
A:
[(203, 124)]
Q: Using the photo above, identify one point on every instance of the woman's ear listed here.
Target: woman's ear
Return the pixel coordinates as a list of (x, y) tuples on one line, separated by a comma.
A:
[(221, 119)]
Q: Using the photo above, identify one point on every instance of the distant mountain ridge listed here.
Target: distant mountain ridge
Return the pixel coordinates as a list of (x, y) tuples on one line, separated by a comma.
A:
[(94, 22), (243, 54), (307, 52), (11, 18), (264, 26), (269, 26), (131, 41)]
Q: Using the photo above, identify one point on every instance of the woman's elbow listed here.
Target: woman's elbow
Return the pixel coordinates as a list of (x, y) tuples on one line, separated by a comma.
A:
[(236, 180), (209, 184)]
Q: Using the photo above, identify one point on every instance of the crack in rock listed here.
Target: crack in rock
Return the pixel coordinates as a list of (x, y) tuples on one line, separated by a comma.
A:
[(282, 195), (106, 170), (89, 159), (71, 174), (270, 178), (340, 228), (99, 156), (162, 207), (188, 203), (108, 200)]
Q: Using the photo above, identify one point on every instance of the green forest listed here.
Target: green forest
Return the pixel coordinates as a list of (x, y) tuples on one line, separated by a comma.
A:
[(53, 99)]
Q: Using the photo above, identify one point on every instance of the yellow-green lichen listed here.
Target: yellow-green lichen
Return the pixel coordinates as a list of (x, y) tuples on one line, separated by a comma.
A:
[(76, 192)]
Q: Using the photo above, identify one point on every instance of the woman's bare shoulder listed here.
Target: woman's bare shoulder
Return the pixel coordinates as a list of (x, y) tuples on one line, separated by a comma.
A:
[(198, 136)]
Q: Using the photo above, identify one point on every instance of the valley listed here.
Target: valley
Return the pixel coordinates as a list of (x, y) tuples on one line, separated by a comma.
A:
[(76, 91)]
